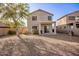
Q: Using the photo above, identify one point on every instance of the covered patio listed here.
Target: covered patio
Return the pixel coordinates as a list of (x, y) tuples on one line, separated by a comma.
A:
[(47, 27)]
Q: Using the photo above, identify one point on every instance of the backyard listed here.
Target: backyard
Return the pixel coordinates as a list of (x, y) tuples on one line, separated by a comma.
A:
[(35, 45)]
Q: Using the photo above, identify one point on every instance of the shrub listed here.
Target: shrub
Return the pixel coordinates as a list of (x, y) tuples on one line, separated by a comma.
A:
[(11, 32), (35, 31)]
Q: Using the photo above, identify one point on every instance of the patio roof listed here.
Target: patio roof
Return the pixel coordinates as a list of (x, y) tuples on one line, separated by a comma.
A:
[(46, 22)]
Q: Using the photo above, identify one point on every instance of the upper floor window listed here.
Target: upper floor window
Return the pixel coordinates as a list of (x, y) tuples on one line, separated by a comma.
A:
[(49, 17), (77, 17), (77, 25), (34, 18), (71, 17)]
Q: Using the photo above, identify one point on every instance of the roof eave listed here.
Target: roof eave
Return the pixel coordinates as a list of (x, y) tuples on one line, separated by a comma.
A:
[(43, 11)]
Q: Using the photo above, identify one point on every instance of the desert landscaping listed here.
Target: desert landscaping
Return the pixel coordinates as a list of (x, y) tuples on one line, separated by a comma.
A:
[(35, 45), (30, 32)]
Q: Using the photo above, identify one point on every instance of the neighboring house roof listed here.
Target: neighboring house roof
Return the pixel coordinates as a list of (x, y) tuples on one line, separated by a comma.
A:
[(69, 14), (42, 11)]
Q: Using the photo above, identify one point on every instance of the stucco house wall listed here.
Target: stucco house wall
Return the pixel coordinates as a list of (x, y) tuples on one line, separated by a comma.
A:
[(62, 23), (72, 21), (41, 16)]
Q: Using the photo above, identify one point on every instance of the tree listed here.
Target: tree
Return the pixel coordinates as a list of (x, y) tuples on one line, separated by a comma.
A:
[(14, 12)]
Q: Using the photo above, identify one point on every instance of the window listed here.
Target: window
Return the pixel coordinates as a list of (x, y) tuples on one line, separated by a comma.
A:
[(34, 27), (71, 17), (34, 30), (34, 18), (77, 17), (77, 25), (49, 17)]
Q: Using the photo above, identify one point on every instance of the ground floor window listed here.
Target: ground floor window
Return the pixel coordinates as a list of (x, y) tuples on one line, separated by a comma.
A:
[(34, 30), (34, 27)]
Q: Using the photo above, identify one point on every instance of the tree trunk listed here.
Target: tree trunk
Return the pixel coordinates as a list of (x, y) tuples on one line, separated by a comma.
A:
[(17, 32)]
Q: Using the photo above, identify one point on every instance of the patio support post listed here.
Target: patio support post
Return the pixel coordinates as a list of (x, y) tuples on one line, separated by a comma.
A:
[(43, 29), (54, 27), (74, 24), (50, 28), (39, 29)]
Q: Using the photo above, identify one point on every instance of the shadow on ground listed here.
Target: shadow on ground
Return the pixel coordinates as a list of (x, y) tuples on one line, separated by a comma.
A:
[(34, 45), (64, 37)]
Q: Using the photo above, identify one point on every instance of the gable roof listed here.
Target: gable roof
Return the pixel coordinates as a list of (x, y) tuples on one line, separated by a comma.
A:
[(68, 14), (42, 11)]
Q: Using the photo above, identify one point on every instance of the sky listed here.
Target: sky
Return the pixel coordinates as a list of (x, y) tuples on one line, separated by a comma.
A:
[(58, 9)]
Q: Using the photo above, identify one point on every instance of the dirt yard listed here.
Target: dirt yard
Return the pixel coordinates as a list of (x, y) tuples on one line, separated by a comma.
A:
[(34, 45)]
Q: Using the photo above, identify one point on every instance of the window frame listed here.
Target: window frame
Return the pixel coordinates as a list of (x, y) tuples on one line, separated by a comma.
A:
[(33, 27), (71, 17), (34, 18), (49, 17)]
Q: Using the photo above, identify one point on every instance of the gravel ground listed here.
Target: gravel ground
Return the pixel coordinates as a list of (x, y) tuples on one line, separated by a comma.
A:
[(34, 45)]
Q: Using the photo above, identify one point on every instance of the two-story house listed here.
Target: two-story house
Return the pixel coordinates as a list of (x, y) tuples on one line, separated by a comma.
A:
[(69, 22), (40, 22)]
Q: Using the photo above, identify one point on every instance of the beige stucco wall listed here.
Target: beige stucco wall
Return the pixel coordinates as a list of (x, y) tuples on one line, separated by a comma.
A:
[(62, 21), (65, 20), (41, 16), (71, 21), (75, 30)]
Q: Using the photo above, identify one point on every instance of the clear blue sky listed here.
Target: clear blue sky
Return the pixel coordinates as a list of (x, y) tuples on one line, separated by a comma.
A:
[(58, 9)]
